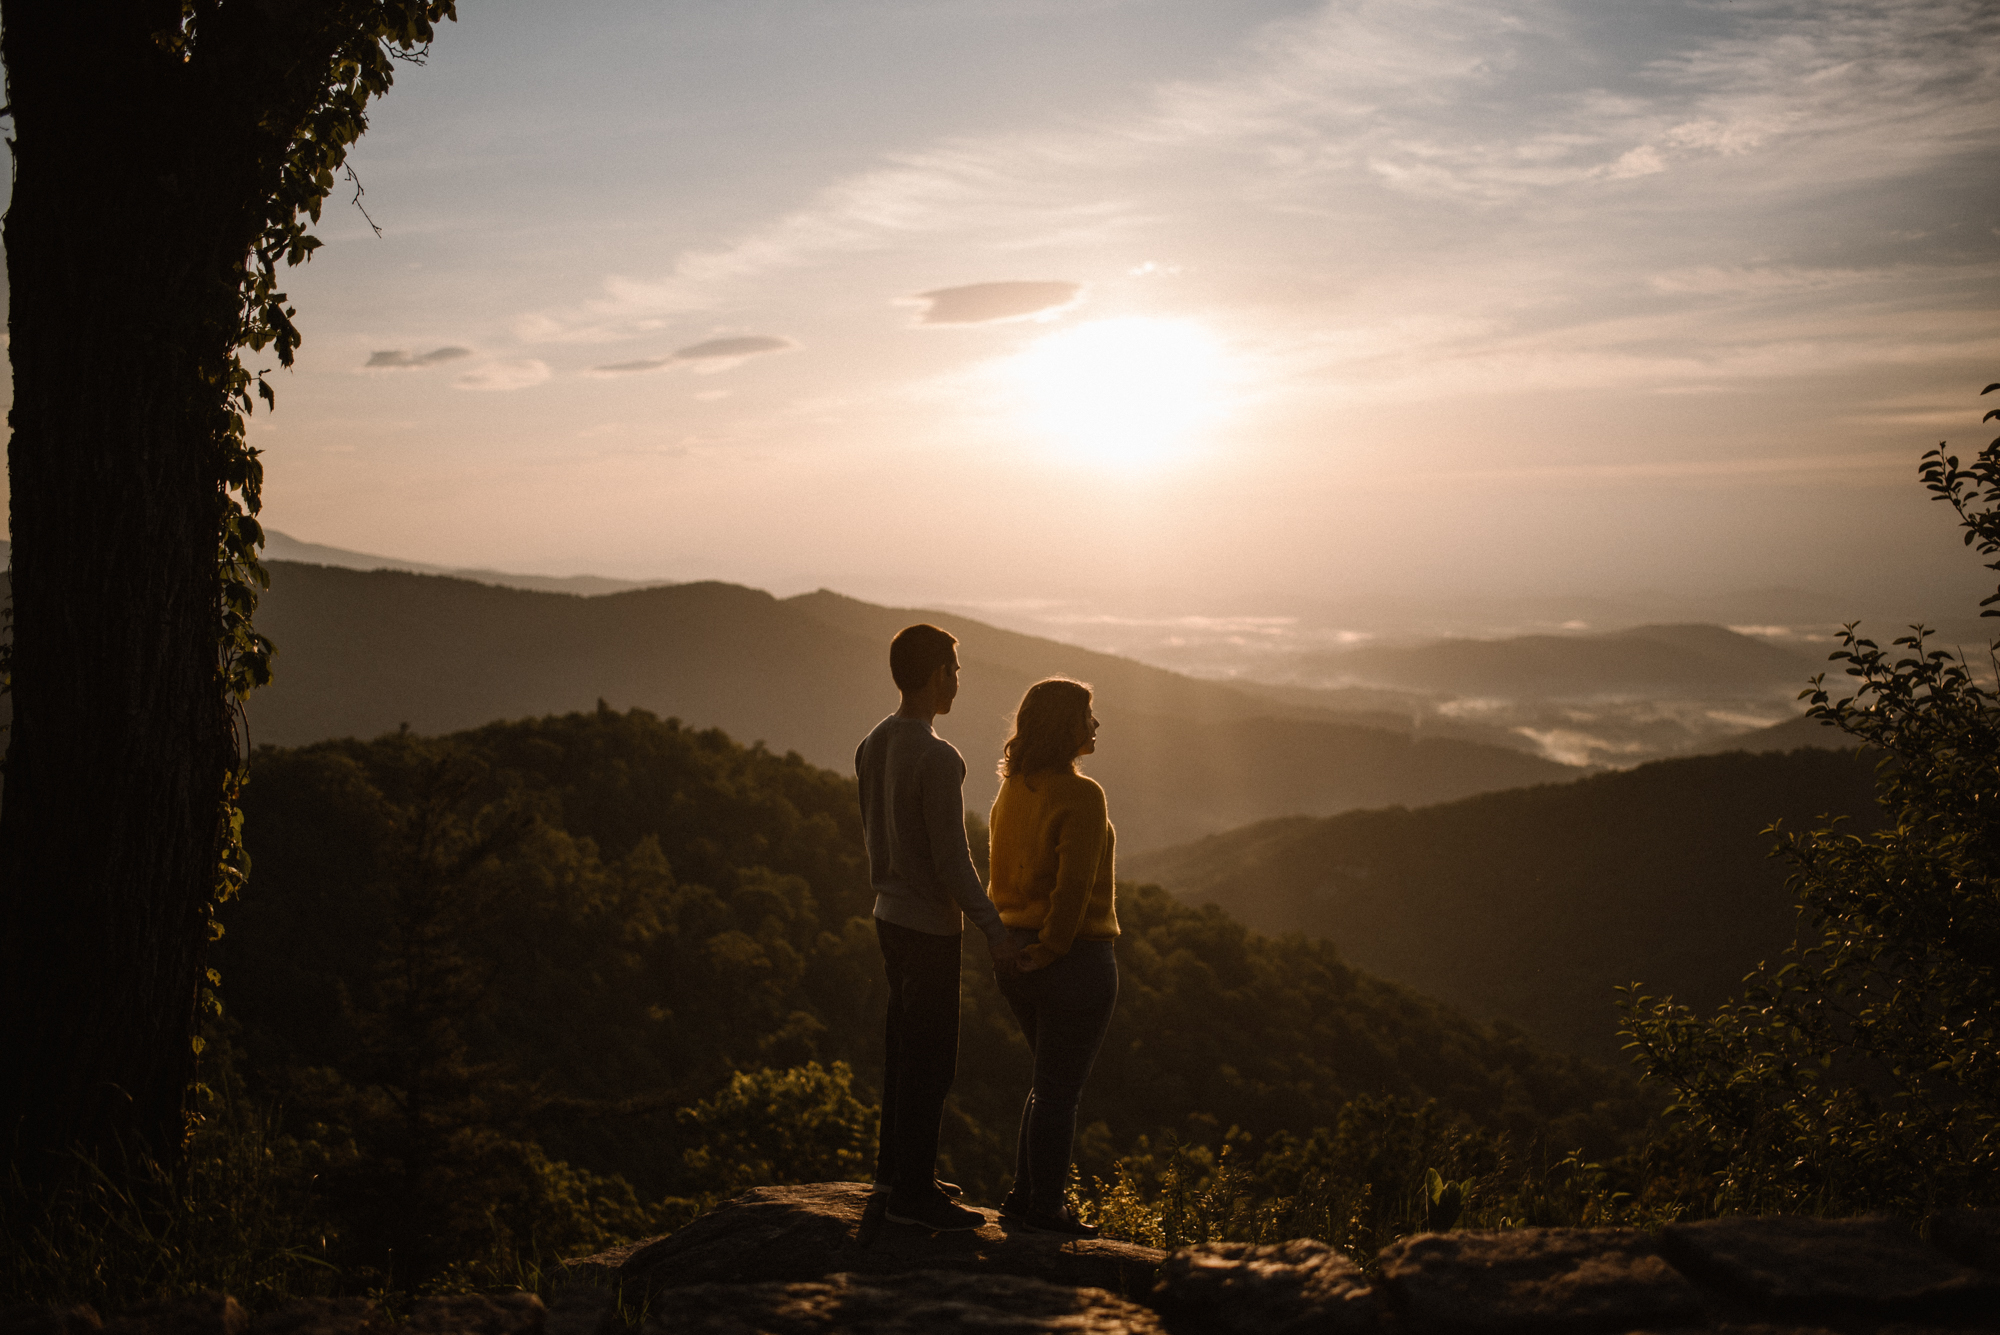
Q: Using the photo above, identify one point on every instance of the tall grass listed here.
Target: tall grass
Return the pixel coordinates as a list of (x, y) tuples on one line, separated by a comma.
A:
[(264, 1216), (237, 1216), (1383, 1171)]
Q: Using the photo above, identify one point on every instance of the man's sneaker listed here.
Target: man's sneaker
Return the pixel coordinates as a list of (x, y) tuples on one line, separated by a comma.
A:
[(933, 1212), (951, 1189), (1064, 1223)]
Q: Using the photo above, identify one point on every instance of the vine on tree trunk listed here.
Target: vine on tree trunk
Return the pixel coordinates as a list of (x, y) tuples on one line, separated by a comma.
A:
[(169, 161), (368, 39)]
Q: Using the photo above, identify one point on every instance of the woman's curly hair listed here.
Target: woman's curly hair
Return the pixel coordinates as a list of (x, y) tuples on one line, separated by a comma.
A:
[(1048, 727)]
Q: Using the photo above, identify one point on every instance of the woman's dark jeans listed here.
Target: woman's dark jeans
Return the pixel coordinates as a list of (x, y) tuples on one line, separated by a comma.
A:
[(1064, 1009)]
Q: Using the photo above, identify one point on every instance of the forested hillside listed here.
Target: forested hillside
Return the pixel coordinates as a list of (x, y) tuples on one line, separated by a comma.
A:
[(462, 957), (1531, 906), (364, 652)]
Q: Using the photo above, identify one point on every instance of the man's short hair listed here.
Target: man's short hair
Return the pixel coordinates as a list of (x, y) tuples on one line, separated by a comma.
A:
[(916, 653)]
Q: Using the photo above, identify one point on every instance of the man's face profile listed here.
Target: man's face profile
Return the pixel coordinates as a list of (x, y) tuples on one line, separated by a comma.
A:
[(946, 682)]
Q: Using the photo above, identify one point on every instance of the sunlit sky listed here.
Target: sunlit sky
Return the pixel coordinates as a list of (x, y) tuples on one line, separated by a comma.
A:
[(989, 299)]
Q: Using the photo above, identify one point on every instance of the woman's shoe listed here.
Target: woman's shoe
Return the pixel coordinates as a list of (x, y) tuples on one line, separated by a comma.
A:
[(1064, 1223)]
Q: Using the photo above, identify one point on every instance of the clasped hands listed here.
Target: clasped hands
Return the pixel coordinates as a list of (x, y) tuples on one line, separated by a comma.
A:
[(1008, 955)]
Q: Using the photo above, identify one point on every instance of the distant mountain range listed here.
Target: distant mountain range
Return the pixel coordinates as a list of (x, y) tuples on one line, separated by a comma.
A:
[(1790, 735), (361, 653), (366, 645), (1673, 661), (1531, 906), (1607, 698), (283, 547)]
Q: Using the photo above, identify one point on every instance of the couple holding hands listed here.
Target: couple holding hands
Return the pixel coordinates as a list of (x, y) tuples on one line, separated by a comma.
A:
[(1048, 916)]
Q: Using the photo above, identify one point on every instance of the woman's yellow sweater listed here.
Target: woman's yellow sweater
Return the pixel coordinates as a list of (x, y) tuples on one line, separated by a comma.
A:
[(1051, 861)]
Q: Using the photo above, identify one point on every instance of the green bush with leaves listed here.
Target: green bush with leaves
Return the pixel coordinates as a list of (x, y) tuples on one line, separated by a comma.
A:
[(804, 1124), (1861, 1071)]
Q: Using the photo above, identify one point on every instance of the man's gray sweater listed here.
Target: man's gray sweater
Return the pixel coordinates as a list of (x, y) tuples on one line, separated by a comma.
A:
[(913, 818)]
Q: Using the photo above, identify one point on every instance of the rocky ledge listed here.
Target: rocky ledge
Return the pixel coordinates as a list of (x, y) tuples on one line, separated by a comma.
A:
[(813, 1260), (807, 1260), (792, 1234)]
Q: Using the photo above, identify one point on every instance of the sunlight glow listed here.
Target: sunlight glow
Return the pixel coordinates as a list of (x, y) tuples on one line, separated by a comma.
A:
[(1128, 392)]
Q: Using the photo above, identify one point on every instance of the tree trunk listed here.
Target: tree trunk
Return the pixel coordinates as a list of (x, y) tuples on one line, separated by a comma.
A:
[(121, 254)]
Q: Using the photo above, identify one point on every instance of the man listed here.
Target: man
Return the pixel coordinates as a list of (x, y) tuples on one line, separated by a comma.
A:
[(913, 819)]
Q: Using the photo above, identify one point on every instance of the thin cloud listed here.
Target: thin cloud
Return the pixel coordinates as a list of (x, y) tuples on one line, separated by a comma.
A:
[(987, 303), (632, 368), (517, 374), (1887, 463), (1024, 192), (398, 360), (749, 345), (716, 353), (1450, 98), (1718, 280)]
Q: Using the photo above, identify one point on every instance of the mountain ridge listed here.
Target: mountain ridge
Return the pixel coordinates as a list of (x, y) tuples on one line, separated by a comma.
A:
[(365, 652), (284, 547), (1661, 659)]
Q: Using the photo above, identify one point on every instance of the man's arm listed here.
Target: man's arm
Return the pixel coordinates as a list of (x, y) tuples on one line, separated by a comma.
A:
[(951, 860)]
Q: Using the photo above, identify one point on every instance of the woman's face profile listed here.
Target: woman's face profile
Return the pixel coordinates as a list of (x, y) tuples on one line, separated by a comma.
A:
[(1089, 742)]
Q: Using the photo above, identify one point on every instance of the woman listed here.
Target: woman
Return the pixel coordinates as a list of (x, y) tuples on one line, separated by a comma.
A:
[(1052, 881)]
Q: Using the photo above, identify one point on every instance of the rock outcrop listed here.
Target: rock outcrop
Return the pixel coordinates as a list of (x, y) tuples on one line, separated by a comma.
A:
[(925, 1302), (1541, 1279), (790, 1234), (1301, 1287), (812, 1261), (1831, 1269), (806, 1260)]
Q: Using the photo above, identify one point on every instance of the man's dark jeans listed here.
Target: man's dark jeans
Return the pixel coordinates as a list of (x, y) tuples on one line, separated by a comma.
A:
[(1064, 1009), (921, 1043)]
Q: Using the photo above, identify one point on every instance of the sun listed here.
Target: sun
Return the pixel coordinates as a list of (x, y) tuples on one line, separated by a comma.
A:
[(1121, 393)]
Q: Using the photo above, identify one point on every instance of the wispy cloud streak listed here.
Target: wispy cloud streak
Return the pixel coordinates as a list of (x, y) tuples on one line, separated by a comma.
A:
[(1432, 177), (398, 360), (711, 354)]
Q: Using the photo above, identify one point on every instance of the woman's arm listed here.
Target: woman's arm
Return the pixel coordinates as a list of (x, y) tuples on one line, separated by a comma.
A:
[(1080, 828)]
